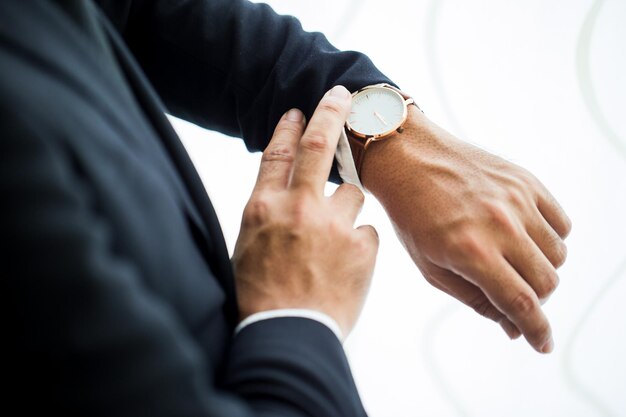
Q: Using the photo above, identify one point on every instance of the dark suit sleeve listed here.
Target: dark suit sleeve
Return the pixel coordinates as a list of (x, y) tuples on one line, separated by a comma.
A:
[(232, 65), (86, 335)]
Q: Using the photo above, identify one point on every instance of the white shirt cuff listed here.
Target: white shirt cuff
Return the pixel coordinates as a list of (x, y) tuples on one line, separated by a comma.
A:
[(345, 162), (292, 312)]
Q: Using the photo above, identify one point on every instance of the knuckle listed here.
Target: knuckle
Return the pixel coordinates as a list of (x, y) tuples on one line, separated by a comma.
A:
[(256, 212), (278, 153), (549, 285), (523, 303), (373, 237), (563, 224), (568, 226), (288, 128), (364, 239), (300, 209), (315, 141), (365, 246), (354, 191), (480, 305), (466, 244), (517, 196), (336, 228), (483, 306), (553, 247), (499, 216), (527, 178), (559, 253), (333, 107)]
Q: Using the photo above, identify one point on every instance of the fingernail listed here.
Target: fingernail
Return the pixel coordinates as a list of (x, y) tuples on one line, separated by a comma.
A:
[(548, 347), (339, 91), (294, 115)]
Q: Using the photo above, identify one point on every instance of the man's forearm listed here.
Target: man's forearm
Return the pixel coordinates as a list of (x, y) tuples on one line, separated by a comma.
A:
[(479, 227), (232, 65)]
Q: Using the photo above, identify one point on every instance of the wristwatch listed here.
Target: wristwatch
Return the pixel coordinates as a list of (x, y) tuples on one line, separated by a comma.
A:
[(378, 111)]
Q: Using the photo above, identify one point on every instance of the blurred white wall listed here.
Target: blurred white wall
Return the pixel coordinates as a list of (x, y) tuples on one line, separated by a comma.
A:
[(543, 83)]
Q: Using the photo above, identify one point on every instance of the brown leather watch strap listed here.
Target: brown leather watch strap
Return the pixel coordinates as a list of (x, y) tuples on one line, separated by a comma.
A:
[(359, 145)]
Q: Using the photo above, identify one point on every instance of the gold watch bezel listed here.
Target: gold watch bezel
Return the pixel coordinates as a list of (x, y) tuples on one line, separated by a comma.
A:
[(367, 139)]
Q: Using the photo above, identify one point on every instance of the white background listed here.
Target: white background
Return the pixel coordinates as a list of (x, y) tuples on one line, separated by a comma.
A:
[(542, 83)]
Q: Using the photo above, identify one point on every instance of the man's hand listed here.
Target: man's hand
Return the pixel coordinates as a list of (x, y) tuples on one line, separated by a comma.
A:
[(298, 248), (478, 227)]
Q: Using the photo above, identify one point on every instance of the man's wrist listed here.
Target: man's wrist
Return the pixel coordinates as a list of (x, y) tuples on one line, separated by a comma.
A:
[(381, 163)]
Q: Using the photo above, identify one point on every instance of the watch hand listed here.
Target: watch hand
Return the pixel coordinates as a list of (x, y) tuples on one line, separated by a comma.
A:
[(380, 118)]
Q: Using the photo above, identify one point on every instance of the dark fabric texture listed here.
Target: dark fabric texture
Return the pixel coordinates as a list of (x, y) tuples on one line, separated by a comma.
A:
[(121, 299)]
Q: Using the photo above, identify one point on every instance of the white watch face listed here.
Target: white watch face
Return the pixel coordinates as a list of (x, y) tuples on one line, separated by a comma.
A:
[(376, 111)]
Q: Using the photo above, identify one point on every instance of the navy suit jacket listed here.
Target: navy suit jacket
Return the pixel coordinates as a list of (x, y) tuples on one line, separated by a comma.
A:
[(119, 290)]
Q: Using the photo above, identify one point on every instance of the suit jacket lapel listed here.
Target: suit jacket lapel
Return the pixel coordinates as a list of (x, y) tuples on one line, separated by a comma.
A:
[(76, 50), (201, 212)]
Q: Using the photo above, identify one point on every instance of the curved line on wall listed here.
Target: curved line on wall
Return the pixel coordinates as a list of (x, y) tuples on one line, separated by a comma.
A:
[(568, 361), (583, 73)]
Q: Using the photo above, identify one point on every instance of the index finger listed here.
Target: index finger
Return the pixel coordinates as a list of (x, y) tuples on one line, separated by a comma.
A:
[(316, 149), (513, 296), (279, 154)]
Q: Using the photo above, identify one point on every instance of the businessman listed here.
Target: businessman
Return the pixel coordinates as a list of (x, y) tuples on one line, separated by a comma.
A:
[(121, 296)]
